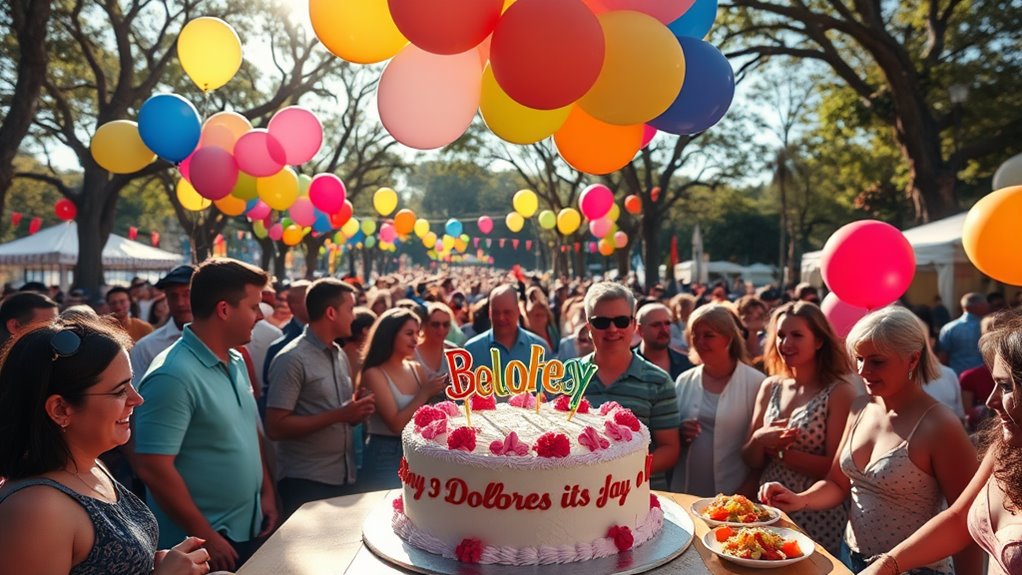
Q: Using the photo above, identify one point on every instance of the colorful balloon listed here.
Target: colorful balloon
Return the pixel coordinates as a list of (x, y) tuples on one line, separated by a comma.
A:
[(65, 210), (525, 203), (245, 187), (189, 198), (280, 190), (302, 212), (299, 132), (276, 232), (453, 227), (1009, 173), (259, 154), (595, 201), (648, 132), (210, 52), (213, 172), (697, 20), (429, 240), (342, 216), (568, 220), (842, 316), (706, 93), (422, 227), (350, 228), (620, 240), (633, 204), (513, 122), (596, 147), (445, 26), (169, 125), (368, 227), (359, 31), (404, 222), (387, 232), (118, 148), (599, 228), (605, 247), (547, 219), (991, 230), (385, 201), (485, 224), (663, 10), (514, 222), (233, 122), (260, 211), (547, 54), (259, 230), (868, 263), (327, 192)]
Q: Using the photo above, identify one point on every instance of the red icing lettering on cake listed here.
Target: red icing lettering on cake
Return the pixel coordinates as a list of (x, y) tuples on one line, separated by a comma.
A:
[(415, 481), (574, 496), (458, 493), (613, 490)]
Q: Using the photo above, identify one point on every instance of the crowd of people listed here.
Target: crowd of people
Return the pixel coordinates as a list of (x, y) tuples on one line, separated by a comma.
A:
[(178, 446)]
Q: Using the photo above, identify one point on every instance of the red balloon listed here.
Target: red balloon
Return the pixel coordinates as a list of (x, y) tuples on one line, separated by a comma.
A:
[(342, 216), (65, 209), (842, 316), (445, 26), (213, 172), (868, 264), (633, 204), (546, 54)]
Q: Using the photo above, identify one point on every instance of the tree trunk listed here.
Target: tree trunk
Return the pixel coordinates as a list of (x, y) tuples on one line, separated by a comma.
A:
[(95, 221), (311, 249), (202, 247), (367, 262), (279, 269), (651, 220), (623, 260)]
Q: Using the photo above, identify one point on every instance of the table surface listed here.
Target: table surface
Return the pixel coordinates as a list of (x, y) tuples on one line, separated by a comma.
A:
[(325, 538)]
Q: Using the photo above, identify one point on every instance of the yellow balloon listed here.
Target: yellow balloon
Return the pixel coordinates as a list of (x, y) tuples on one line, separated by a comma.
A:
[(292, 235), (189, 198), (350, 228), (513, 122), (568, 220), (230, 205), (118, 148), (368, 227), (210, 52), (643, 70), (233, 122), (429, 240), (547, 219), (606, 247), (460, 245), (385, 201), (280, 190), (421, 227), (359, 31), (525, 202), (514, 222), (614, 213)]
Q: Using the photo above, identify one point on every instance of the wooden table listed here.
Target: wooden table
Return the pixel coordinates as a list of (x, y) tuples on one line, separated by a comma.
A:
[(325, 538)]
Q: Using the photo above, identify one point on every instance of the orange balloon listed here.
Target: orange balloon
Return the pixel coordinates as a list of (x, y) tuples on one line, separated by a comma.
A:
[(596, 147), (404, 222), (633, 204), (990, 234)]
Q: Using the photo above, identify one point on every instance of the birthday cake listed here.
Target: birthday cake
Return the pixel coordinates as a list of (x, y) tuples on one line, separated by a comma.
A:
[(522, 486)]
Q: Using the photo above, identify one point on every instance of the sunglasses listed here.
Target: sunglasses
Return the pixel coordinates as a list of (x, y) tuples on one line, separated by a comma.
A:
[(440, 324), (620, 322), (65, 344)]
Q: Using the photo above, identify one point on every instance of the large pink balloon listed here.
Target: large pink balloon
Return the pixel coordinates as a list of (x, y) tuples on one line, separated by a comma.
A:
[(276, 232), (600, 227), (327, 193), (302, 212), (485, 224), (666, 11), (260, 211), (388, 233), (427, 101), (259, 153), (842, 316), (299, 132), (868, 263), (213, 172), (595, 201)]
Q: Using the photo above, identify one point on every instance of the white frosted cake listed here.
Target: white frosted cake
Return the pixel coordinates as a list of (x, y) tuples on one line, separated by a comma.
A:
[(522, 487)]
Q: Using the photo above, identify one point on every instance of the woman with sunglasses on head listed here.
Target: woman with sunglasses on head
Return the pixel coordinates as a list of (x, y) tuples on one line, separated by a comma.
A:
[(903, 453), (65, 398), (715, 400), (801, 411)]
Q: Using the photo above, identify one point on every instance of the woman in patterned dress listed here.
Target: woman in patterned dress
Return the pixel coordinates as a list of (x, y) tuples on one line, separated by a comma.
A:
[(801, 411)]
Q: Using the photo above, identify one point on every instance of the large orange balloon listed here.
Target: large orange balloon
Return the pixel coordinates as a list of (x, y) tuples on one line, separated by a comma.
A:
[(445, 26), (547, 53), (404, 222), (990, 235), (595, 147), (359, 31)]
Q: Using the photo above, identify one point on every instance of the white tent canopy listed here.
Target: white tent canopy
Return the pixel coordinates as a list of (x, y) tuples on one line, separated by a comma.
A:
[(57, 248), (757, 273), (937, 244)]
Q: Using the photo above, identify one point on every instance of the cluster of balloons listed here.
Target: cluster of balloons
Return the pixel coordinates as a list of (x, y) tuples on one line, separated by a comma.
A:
[(600, 76), (866, 265)]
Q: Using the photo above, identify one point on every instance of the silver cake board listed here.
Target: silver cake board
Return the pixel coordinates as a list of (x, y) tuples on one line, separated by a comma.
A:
[(391, 554)]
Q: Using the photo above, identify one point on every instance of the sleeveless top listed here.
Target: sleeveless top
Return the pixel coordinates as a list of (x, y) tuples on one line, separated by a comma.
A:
[(891, 499), (1004, 545), (826, 526), (375, 423), (126, 533), (430, 372)]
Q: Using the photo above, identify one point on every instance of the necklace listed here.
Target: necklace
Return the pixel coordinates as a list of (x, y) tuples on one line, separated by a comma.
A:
[(78, 476)]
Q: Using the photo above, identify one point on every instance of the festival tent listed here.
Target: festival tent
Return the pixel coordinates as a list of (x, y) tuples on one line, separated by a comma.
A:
[(942, 268), (50, 255), (686, 272)]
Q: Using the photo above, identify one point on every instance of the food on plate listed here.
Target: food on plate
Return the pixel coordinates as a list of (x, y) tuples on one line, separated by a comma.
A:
[(735, 509), (756, 543)]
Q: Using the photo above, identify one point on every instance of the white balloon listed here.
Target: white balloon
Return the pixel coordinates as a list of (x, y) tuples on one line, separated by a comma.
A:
[(1009, 174)]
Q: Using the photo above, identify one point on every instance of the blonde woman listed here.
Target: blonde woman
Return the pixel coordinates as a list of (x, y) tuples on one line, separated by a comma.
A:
[(716, 400), (801, 411), (430, 351), (902, 454)]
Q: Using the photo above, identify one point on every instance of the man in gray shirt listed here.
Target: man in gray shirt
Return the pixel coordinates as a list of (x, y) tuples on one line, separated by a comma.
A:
[(310, 406)]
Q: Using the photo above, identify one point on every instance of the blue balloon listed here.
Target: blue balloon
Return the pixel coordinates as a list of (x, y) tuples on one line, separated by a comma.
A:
[(169, 126), (453, 227), (697, 20), (359, 236), (705, 95), (321, 223)]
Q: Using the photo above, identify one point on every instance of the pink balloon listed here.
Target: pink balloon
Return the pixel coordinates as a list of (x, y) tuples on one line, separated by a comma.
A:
[(302, 212), (427, 101), (842, 316), (485, 224), (620, 240), (276, 232), (647, 135), (868, 263), (259, 153), (666, 11), (595, 201), (299, 132), (185, 167), (213, 172), (327, 193), (260, 211), (388, 233), (600, 227)]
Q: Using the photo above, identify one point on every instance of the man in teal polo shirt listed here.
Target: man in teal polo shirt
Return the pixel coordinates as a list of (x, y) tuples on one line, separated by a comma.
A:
[(504, 335), (196, 438)]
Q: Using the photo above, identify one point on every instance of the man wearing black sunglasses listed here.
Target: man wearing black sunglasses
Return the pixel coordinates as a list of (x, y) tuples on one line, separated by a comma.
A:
[(625, 377)]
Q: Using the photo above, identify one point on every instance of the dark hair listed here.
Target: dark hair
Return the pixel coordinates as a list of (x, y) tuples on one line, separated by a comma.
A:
[(30, 373), (480, 312), (1005, 342), (325, 293), (222, 279), (117, 290), (364, 319), (21, 307), (382, 335)]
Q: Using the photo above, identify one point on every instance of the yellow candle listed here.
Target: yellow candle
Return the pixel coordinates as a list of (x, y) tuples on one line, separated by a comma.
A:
[(468, 411)]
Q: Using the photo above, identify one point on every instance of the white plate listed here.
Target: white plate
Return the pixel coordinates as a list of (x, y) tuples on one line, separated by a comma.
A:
[(700, 504), (805, 544)]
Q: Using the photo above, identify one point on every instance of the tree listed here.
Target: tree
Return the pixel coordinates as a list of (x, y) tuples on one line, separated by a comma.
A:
[(901, 61)]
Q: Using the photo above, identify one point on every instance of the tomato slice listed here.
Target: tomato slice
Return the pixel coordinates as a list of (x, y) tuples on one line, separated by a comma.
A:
[(719, 514), (723, 534), (791, 549)]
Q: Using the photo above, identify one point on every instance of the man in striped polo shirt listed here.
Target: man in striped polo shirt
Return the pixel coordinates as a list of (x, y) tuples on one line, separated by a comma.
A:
[(625, 377)]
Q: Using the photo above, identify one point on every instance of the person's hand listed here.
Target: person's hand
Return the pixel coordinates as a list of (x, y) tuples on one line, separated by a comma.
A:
[(779, 496), (775, 436), (186, 558), (690, 430), (358, 409), (435, 385), (222, 556), (271, 516)]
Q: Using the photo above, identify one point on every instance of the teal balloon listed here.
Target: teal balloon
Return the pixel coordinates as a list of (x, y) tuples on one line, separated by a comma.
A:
[(453, 227), (322, 222), (697, 20), (169, 126)]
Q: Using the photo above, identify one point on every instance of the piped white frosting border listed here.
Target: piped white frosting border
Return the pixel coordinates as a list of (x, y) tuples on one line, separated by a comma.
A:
[(544, 555)]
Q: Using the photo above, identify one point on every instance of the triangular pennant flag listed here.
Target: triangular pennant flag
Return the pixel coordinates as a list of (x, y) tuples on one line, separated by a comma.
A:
[(578, 247), (564, 249), (514, 243), (475, 242), (500, 242), (592, 247), (155, 239), (489, 242), (132, 233), (15, 219), (528, 245), (34, 225)]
